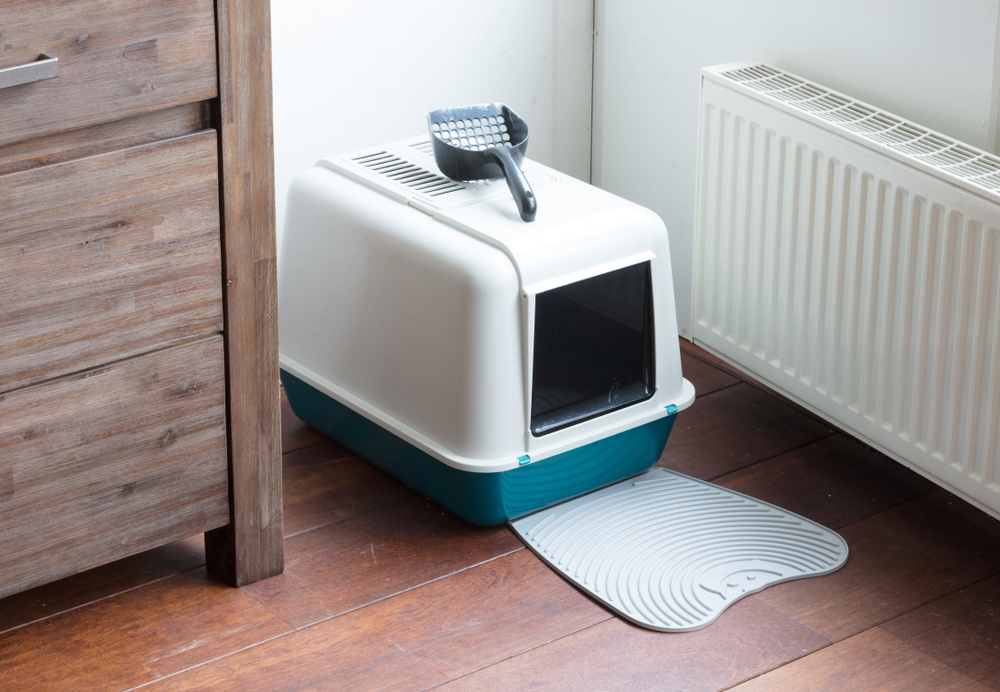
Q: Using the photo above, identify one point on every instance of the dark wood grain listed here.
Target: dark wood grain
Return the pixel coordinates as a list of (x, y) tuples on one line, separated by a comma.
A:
[(101, 582), (324, 452), (111, 462), (116, 60), (142, 129), (320, 487), (134, 637), (836, 481), (697, 351), (287, 597), (108, 257), (746, 640), (705, 378), (374, 555), (295, 434), (250, 547), (961, 630), (899, 560), (874, 660), (735, 428), (413, 641)]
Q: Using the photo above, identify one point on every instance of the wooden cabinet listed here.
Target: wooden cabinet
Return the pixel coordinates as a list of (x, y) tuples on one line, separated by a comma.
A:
[(138, 337), (112, 461), (117, 58), (108, 257)]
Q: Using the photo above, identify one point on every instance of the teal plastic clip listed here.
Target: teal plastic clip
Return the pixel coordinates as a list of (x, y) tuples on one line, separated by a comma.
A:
[(523, 460), (671, 410)]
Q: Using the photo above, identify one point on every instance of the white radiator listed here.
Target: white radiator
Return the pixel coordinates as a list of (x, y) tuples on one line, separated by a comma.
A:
[(850, 259)]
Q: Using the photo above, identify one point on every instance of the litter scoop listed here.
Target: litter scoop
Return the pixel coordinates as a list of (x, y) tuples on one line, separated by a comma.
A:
[(483, 142)]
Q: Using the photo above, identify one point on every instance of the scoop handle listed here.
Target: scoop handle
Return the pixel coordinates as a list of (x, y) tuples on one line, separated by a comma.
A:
[(518, 184)]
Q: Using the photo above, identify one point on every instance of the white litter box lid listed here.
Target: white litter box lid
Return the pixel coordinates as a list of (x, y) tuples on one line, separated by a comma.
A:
[(579, 231)]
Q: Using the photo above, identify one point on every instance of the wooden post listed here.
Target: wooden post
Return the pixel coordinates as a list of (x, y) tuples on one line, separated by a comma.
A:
[(250, 547)]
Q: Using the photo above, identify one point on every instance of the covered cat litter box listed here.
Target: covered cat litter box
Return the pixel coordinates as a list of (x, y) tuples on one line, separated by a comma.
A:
[(496, 366), (502, 367)]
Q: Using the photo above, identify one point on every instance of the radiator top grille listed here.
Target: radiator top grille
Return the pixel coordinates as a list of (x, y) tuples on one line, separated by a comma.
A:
[(932, 149)]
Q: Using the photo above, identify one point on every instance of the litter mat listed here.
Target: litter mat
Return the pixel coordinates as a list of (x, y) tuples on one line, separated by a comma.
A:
[(670, 553)]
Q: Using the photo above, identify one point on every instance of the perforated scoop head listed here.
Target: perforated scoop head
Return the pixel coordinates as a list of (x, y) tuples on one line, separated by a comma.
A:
[(483, 142)]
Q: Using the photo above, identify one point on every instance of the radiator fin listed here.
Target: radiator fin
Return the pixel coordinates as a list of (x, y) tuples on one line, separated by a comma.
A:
[(868, 290)]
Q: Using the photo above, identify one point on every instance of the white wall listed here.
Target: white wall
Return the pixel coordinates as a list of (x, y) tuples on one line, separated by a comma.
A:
[(926, 60), (350, 74)]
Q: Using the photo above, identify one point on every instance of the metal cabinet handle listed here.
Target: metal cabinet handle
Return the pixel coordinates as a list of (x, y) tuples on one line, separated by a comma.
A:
[(43, 67)]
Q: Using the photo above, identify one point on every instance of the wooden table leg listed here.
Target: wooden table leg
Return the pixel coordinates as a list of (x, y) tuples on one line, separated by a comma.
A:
[(250, 548)]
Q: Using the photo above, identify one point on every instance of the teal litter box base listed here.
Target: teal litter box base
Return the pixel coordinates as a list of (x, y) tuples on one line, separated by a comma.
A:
[(486, 499)]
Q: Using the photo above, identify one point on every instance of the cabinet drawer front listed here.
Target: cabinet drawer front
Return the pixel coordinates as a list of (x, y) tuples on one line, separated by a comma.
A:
[(108, 257), (108, 463), (116, 59)]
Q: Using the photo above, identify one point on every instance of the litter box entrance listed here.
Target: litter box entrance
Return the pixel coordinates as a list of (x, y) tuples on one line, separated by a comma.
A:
[(593, 350)]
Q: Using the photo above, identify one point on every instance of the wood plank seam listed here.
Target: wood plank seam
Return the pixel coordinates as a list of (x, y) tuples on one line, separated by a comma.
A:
[(406, 590), (159, 678), (781, 454), (696, 351), (940, 597), (336, 521), (104, 366), (518, 655), (98, 600), (327, 619)]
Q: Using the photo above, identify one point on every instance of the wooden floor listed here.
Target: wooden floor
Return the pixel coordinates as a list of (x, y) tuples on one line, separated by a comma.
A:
[(385, 590)]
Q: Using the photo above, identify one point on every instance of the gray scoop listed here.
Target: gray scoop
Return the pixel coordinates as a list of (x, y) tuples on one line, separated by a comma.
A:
[(483, 142)]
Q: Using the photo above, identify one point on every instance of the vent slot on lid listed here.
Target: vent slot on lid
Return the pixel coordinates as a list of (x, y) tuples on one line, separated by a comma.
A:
[(424, 148), (408, 174)]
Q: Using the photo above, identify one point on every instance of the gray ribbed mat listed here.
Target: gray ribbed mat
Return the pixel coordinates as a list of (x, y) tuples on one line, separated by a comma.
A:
[(671, 553)]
